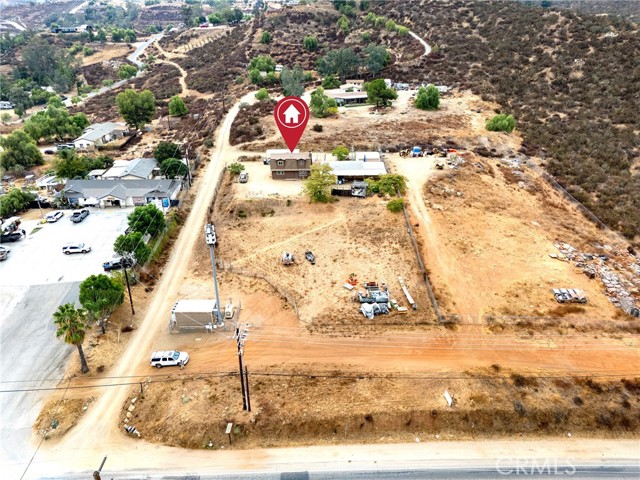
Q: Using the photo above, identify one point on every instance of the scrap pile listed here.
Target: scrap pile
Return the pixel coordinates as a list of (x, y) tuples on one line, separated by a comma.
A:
[(374, 300), (618, 269)]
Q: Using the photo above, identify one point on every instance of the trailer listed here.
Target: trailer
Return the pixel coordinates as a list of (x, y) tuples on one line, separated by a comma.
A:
[(198, 314)]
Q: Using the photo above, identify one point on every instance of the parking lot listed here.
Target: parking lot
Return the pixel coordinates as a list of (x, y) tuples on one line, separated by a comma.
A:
[(38, 258)]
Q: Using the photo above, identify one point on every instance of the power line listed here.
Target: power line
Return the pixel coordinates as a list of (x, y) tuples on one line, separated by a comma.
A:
[(324, 375)]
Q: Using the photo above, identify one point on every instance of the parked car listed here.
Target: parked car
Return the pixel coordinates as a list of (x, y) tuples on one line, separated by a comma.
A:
[(11, 237), (80, 215), (310, 256), (76, 248), (4, 253), (244, 177), (6, 105), (169, 359), (50, 151), (53, 217), (65, 146), (116, 263)]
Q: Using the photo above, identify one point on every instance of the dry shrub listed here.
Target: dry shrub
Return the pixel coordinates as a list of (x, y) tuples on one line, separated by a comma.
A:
[(632, 385), (563, 310)]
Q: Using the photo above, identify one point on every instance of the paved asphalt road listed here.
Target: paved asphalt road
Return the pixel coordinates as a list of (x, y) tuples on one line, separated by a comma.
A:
[(29, 353), (587, 472)]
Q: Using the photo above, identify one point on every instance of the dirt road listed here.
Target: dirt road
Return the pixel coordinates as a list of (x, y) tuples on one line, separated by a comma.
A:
[(99, 422)]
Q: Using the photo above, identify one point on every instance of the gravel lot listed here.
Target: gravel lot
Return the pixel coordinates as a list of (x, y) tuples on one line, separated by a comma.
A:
[(38, 259)]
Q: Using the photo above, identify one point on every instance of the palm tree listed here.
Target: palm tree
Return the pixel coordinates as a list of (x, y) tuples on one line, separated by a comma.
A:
[(72, 323)]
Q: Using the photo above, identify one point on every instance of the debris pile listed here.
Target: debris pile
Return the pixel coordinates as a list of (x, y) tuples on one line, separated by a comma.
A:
[(617, 269)]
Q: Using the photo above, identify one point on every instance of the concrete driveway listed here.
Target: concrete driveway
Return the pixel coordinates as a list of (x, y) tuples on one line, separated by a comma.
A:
[(38, 258)]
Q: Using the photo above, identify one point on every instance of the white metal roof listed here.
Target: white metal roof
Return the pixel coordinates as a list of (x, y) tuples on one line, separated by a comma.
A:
[(352, 168), (195, 305)]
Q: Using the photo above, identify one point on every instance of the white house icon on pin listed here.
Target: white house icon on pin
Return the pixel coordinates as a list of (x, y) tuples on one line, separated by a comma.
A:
[(291, 115)]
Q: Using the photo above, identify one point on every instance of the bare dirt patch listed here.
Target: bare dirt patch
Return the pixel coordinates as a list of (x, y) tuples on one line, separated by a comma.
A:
[(349, 236), (298, 407), (58, 416)]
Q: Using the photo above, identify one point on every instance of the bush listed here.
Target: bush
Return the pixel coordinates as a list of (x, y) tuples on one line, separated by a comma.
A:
[(235, 168), (501, 123), (317, 127), (341, 152), (265, 38), (395, 205), (427, 98), (310, 43), (262, 94)]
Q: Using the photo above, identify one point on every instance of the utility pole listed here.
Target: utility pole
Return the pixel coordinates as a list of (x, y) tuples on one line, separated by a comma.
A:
[(241, 336), (210, 238), (126, 277)]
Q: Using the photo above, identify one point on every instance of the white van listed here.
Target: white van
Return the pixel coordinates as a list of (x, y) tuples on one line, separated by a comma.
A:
[(169, 358)]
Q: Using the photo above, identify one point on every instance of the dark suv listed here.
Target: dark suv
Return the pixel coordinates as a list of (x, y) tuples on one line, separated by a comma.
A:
[(79, 216), (117, 263)]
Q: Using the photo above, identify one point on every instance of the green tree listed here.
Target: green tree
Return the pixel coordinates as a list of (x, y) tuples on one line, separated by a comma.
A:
[(343, 62), (318, 185), (71, 165), (330, 81), (501, 123), (388, 184), (172, 167), (72, 325), (344, 24), (15, 201), (390, 25), (377, 58), (137, 109), (177, 108), (262, 63), (19, 149), (214, 19), (310, 43), (49, 64), (166, 150), (402, 31), (147, 219), (292, 81), (101, 295), (321, 105), (20, 98), (265, 37), (427, 98), (55, 122), (262, 94), (235, 168), (379, 94), (133, 244), (5, 117), (254, 76), (395, 205), (341, 152), (364, 5), (127, 71)]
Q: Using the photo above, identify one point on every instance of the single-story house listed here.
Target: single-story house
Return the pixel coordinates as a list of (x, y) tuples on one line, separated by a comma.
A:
[(290, 166), (120, 193), (350, 170), (137, 169), (347, 98), (99, 134)]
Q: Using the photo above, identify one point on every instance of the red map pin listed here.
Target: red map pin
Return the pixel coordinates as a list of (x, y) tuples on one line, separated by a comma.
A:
[(292, 115)]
